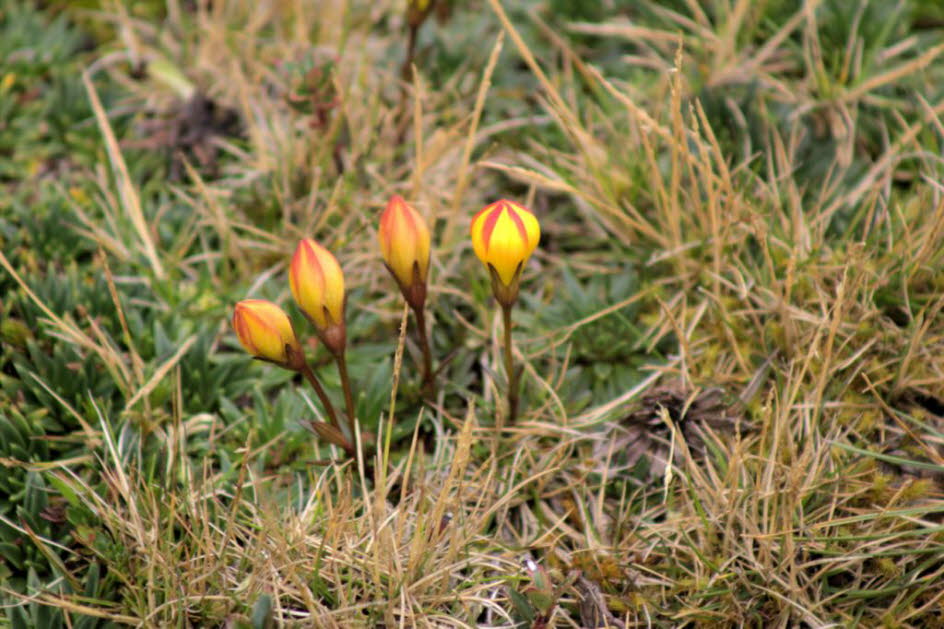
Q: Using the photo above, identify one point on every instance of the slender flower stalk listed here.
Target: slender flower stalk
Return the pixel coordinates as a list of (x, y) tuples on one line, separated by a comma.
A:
[(510, 367), (346, 386), (504, 235), (317, 285), (405, 245), (416, 13), (309, 375), (429, 377)]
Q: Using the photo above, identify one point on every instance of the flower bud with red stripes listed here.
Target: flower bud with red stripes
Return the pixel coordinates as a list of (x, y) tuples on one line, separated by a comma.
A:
[(504, 235), (404, 243)]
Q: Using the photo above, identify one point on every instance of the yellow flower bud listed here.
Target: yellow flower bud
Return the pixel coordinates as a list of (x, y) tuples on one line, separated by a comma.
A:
[(404, 243), (318, 287), (504, 235), (266, 332)]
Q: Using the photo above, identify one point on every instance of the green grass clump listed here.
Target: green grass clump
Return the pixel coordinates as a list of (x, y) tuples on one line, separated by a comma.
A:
[(732, 390)]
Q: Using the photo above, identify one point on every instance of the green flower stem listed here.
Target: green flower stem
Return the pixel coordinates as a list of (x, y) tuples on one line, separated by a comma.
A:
[(319, 390), (510, 368)]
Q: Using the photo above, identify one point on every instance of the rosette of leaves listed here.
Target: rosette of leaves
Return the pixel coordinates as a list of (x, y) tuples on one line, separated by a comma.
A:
[(311, 85), (607, 352)]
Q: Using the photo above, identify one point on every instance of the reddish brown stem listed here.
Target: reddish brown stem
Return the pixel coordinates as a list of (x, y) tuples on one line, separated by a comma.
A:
[(429, 381), (348, 396), (319, 390)]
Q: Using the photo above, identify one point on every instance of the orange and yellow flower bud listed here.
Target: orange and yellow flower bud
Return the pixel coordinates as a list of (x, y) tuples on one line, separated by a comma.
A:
[(404, 243), (317, 284), (266, 332), (504, 235)]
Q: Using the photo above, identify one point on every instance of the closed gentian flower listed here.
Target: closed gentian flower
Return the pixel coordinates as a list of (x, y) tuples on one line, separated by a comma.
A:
[(504, 235), (266, 332), (318, 287), (404, 243)]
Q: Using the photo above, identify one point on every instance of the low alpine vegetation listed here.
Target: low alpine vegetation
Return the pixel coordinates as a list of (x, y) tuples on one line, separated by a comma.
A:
[(564, 314)]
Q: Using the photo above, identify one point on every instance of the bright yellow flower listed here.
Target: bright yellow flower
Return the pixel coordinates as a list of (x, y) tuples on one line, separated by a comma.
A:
[(504, 235), (404, 243), (266, 332), (317, 284)]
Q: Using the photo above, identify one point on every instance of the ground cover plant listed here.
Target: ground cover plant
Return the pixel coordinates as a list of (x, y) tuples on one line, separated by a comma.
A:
[(723, 403)]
